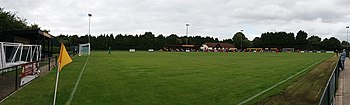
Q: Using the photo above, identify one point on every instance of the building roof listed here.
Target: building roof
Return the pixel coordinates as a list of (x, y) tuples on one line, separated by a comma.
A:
[(30, 33), (222, 45), (210, 44), (184, 46)]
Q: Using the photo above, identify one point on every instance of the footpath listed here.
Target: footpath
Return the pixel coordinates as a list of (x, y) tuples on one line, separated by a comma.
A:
[(343, 92)]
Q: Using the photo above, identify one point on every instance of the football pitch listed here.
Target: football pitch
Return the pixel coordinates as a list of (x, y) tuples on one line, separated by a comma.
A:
[(168, 78)]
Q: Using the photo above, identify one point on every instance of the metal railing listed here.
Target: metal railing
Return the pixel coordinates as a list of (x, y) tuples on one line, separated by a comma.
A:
[(328, 96), (14, 77)]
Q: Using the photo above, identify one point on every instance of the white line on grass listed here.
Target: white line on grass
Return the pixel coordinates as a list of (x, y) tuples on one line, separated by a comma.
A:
[(77, 83), (262, 92)]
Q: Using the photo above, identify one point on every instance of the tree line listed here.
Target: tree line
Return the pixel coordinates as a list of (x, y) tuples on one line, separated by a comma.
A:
[(10, 22), (288, 40), (124, 42), (150, 41)]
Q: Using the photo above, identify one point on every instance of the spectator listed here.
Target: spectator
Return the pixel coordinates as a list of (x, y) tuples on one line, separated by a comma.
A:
[(342, 59)]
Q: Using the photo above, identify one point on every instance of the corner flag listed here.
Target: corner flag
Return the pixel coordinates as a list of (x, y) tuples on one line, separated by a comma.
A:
[(63, 58)]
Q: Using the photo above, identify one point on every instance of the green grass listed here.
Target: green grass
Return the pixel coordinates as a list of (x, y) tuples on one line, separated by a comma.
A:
[(167, 78)]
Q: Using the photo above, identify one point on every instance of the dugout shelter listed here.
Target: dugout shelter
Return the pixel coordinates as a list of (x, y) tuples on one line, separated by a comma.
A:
[(31, 37)]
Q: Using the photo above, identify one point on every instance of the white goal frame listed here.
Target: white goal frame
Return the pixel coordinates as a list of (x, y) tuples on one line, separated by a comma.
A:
[(288, 50), (81, 49), (18, 56)]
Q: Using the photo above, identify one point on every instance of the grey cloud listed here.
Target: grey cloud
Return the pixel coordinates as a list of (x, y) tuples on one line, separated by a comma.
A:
[(216, 18)]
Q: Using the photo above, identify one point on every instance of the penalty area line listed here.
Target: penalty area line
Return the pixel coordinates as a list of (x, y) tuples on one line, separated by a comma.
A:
[(268, 89), (77, 83)]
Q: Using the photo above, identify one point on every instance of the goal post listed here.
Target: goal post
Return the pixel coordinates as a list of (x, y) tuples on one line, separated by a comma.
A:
[(2, 56), (84, 49)]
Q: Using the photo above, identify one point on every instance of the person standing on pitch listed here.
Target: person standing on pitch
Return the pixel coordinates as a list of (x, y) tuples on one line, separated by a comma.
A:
[(342, 59), (109, 50)]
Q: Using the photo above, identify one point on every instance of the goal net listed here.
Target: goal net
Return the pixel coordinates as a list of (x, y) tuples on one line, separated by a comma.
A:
[(84, 49)]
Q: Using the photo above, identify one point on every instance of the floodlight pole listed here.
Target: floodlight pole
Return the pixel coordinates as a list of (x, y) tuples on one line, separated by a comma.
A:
[(241, 40), (89, 26), (347, 40), (187, 25)]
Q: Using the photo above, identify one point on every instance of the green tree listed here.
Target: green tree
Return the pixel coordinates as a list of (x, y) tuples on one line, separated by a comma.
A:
[(172, 39), (63, 39), (160, 42), (230, 41), (277, 39), (240, 39), (247, 43), (313, 42), (330, 44), (9, 22), (300, 40), (257, 42), (345, 44)]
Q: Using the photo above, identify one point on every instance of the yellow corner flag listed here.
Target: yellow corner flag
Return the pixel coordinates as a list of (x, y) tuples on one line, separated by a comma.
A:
[(64, 57)]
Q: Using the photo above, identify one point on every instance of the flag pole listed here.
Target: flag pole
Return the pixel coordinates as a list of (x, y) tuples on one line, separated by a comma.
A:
[(54, 96), (63, 59)]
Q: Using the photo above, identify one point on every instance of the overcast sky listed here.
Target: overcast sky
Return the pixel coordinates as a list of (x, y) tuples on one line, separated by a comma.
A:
[(215, 18)]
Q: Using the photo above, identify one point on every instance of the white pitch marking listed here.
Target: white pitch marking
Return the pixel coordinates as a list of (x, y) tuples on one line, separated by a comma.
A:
[(77, 83)]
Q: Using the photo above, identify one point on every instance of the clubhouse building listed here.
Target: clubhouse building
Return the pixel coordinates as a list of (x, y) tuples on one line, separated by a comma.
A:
[(217, 47)]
